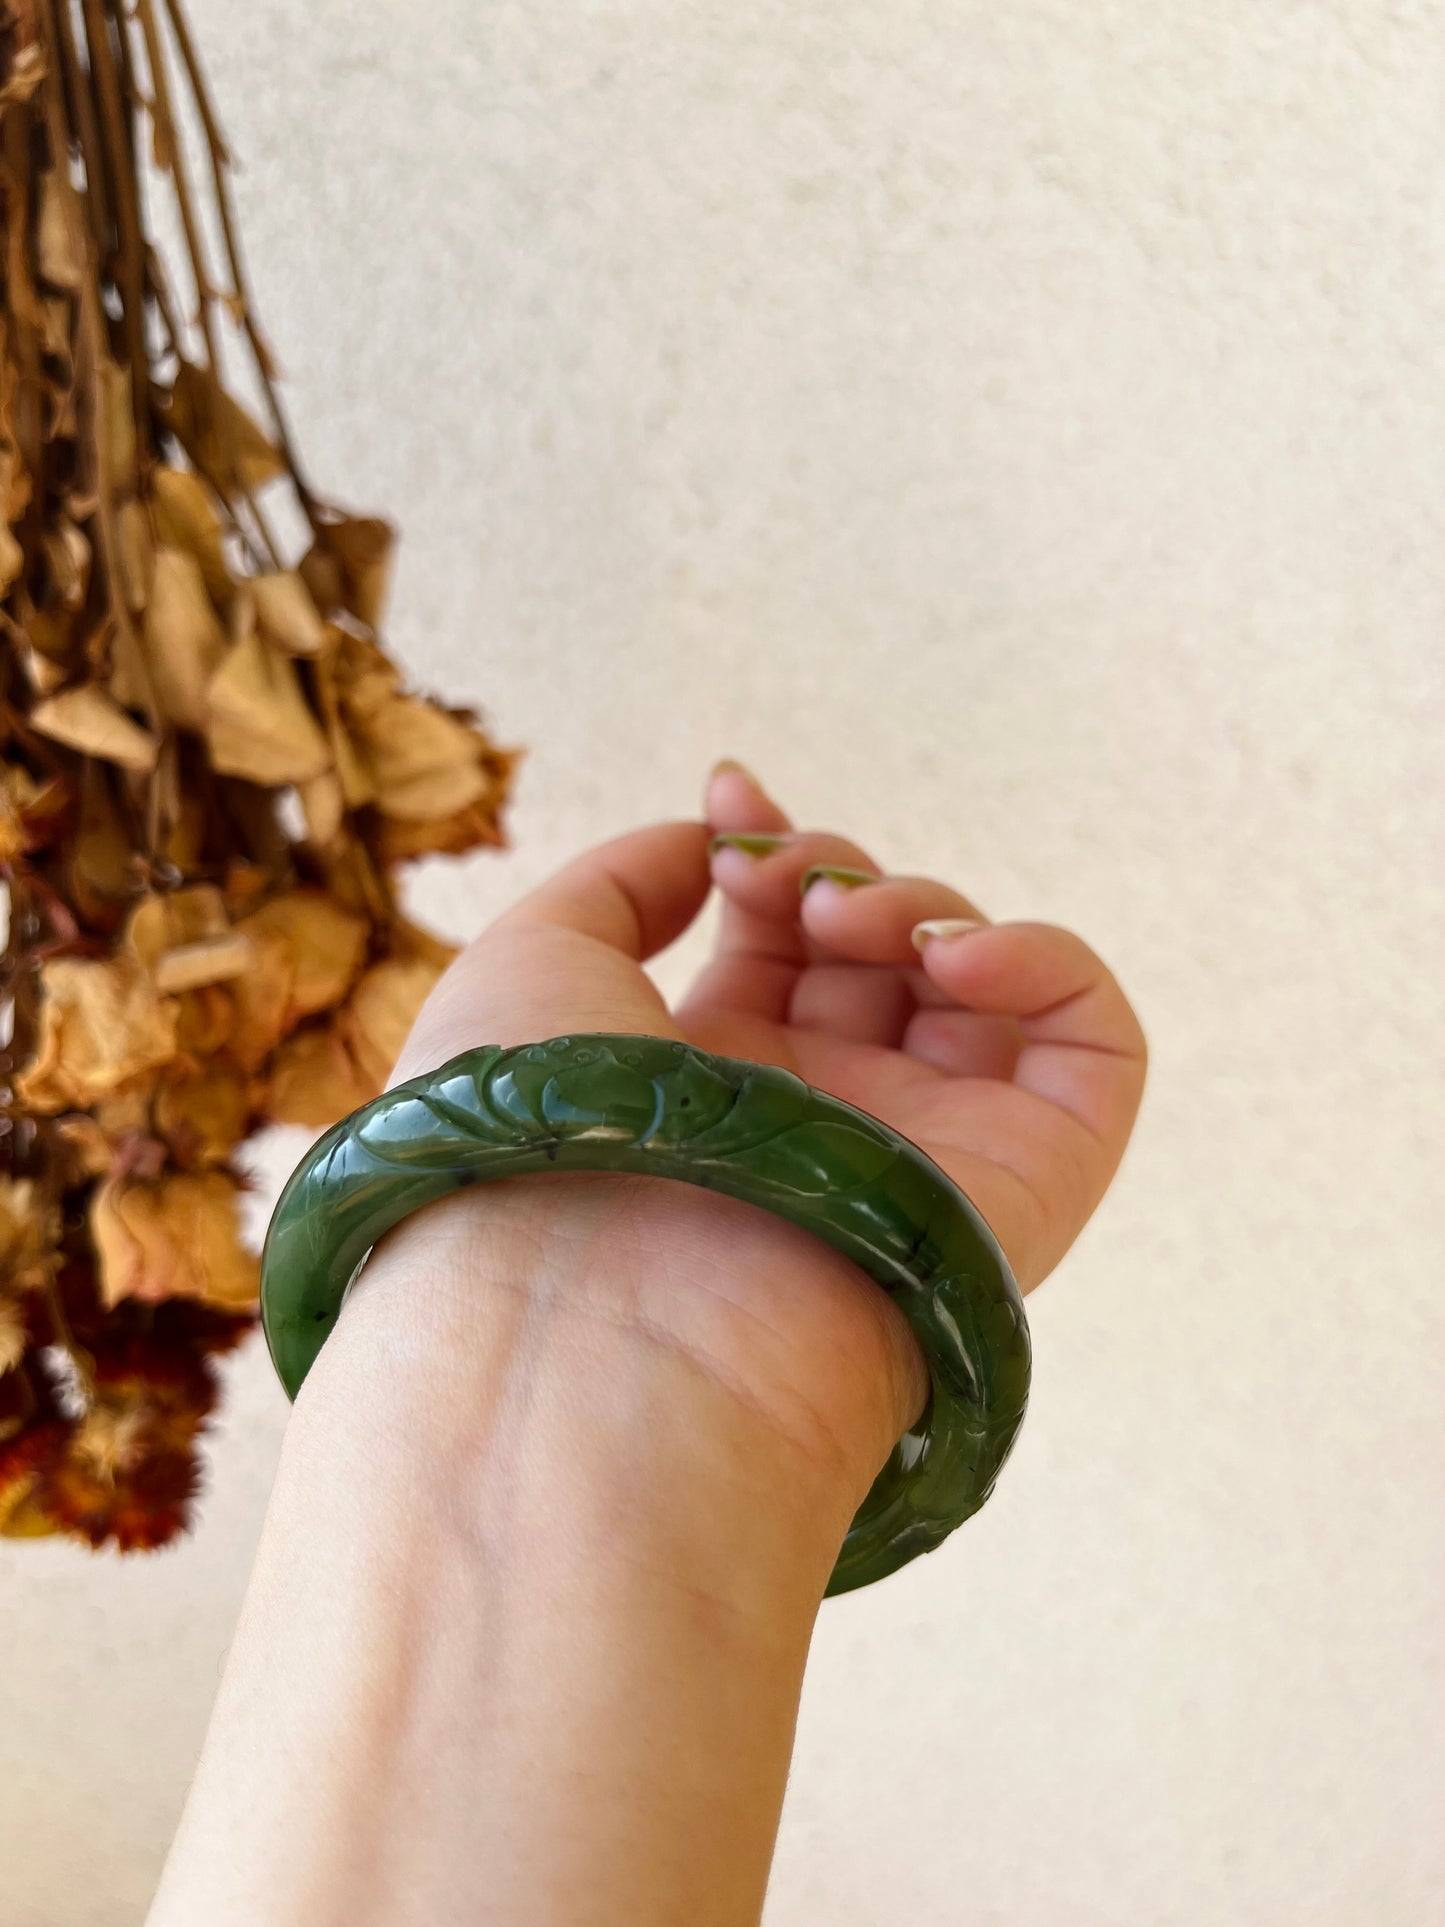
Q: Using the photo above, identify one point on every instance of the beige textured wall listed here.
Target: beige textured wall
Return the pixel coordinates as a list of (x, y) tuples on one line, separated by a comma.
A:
[(1019, 431)]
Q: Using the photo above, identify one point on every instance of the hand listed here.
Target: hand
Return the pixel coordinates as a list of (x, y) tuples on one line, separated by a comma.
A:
[(561, 1494), (1006, 1051)]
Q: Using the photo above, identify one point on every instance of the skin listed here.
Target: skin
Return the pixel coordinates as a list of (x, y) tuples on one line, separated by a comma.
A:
[(527, 1628)]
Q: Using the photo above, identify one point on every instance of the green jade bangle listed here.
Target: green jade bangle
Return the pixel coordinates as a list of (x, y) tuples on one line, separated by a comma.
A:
[(654, 1106)]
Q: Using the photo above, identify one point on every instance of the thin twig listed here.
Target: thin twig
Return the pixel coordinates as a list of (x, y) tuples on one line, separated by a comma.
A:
[(129, 279), (77, 82), (175, 159), (93, 344), (220, 159), (17, 125), (17, 972), (164, 119)]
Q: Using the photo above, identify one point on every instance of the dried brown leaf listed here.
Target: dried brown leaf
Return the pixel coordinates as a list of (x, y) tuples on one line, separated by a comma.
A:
[(55, 251), (259, 725), (184, 640), (186, 940), (44, 676), (381, 1012), (419, 762), (177, 1236), (16, 488), (324, 1072), (20, 1518), (17, 788), (90, 720), (213, 960), (67, 557), (205, 1021), (27, 70), (315, 1080), (307, 950), (184, 846), (101, 1025), (126, 1116), (160, 923), (12, 560), (203, 1115), (186, 517), (14, 1340), (323, 803), (31, 813), (287, 614), (411, 940), (424, 762), (349, 566), (397, 842), (226, 442), (322, 946), (59, 313), (88, 1152), (100, 859), (29, 1236)]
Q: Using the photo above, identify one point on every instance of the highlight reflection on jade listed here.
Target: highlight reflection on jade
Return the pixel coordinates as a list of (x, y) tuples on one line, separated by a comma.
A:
[(658, 1107)]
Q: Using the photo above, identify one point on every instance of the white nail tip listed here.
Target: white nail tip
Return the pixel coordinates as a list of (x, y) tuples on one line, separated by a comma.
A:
[(943, 927)]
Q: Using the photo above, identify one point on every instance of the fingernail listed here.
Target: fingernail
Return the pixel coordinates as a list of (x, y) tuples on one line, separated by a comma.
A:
[(753, 844), (849, 879), (943, 927), (730, 766)]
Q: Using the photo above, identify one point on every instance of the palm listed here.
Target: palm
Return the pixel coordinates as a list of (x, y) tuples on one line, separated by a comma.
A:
[(1004, 1147), (1011, 1057)]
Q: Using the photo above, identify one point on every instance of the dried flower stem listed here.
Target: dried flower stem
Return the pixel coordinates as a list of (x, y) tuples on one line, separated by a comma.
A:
[(221, 181), (93, 337), (209, 772), (87, 127), (173, 157), (131, 266)]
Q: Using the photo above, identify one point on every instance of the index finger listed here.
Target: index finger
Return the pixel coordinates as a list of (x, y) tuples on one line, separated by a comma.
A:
[(636, 893)]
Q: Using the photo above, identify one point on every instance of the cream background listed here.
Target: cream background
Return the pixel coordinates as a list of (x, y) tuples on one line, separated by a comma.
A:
[(1019, 432)]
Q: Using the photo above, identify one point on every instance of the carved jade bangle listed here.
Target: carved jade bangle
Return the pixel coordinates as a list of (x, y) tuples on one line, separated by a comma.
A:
[(655, 1106)]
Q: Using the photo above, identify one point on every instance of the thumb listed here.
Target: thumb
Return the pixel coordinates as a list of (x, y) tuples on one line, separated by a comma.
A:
[(568, 956)]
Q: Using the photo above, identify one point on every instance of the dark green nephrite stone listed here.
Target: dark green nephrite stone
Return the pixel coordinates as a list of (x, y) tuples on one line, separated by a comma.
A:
[(661, 1108)]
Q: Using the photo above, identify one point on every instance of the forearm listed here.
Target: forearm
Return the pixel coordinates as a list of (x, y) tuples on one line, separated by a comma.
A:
[(525, 1636)]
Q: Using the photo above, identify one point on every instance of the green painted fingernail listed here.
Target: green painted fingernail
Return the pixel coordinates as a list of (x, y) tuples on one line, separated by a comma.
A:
[(751, 844), (849, 879)]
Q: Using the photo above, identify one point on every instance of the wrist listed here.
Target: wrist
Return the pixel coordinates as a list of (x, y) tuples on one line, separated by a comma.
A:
[(549, 1359), (530, 1614)]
